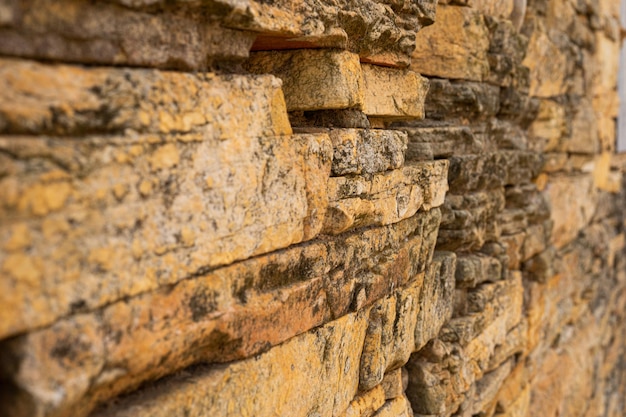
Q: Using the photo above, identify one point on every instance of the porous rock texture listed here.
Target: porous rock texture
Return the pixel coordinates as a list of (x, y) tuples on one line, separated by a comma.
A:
[(311, 208)]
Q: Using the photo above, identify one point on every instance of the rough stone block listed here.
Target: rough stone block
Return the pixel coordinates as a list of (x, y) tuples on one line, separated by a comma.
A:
[(105, 33), (459, 99), (385, 198), (390, 337), (513, 244), (512, 221), (468, 221), (490, 312), (366, 403), (507, 135), (397, 407), (505, 38), (454, 47), (436, 386), (492, 170), (474, 269), (425, 143), (436, 298), (98, 100), (442, 375), (572, 205), (379, 31), (549, 126), (583, 138), (314, 79), (528, 198), (476, 172), (366, 151), (537, 239), (321, 365), (485, 390), (549, 63), (393, 94), (392, 384)]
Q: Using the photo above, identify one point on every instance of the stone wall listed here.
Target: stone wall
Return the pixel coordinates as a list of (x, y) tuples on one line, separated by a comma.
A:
[(311, 208)]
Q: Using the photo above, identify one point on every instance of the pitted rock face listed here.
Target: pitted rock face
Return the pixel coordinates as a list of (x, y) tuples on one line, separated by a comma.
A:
[(316, 208)]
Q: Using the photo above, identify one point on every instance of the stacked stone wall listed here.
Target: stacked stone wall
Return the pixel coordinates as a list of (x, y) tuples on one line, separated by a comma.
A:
[(311, 208)]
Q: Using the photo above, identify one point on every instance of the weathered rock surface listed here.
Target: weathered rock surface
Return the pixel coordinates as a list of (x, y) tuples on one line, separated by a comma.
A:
[(442, 373), (366, 151), (571, 202), (189, 35), (358, 201), (468, 221), (393, 94), (321, 367), (296, 222), (454, 47), (332, 79), (147, 211), (231, 313), (464, 100), (549, 64), (314, 79)]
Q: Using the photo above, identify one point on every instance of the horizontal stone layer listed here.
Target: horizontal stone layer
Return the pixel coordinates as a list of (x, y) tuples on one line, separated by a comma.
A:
[(333, 79), (189, 35), (465, 100), (105, 218), (99, 100), (345, 339), (321, 367), (146, 211), (491, 170), (231, 313)]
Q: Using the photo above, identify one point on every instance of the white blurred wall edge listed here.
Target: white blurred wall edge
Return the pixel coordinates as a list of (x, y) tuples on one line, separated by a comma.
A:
[(621, 128)]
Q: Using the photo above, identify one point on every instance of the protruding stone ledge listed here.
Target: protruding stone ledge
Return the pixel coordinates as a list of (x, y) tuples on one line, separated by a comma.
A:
[(172, 37), (110, 100), (392, 94), (321, 367), (333, 79), (314, 79)]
